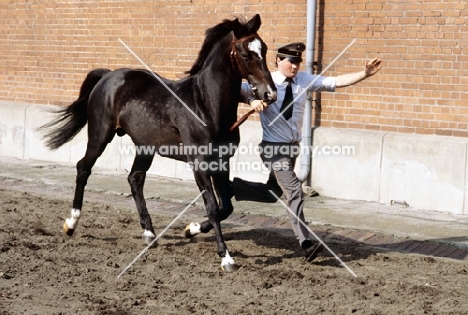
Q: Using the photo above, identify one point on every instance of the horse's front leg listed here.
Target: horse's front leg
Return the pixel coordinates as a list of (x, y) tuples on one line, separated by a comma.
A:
[(225, 193), (203, 180)]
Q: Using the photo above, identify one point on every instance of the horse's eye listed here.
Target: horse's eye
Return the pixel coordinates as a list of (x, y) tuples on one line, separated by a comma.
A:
[(245, 56)]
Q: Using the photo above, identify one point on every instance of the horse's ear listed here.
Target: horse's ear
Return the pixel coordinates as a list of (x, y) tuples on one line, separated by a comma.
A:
[(254, 24), (237, 28)]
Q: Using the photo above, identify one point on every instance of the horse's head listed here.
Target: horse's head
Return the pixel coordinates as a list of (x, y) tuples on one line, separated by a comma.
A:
[(248, 57), (248, 52)]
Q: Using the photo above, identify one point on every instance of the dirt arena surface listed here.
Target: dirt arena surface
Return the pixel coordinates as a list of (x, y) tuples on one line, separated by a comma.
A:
[(42, 271)]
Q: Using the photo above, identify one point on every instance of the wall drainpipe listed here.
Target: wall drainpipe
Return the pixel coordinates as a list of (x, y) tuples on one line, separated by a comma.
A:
[(306, 158)]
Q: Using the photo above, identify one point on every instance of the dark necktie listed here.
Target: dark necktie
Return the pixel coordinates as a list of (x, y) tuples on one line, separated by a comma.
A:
[(288, 98)]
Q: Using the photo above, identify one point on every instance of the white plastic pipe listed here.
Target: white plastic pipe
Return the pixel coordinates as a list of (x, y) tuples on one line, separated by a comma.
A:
[(305, 164)]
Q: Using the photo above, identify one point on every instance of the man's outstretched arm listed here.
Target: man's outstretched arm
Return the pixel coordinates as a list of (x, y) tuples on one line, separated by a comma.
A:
[(371, 68)]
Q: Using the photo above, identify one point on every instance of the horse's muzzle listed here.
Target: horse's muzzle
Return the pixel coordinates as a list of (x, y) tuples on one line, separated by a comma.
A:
[(269, 97)]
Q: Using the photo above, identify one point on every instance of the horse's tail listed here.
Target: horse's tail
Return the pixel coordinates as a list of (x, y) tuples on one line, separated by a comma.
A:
[(73, 117)]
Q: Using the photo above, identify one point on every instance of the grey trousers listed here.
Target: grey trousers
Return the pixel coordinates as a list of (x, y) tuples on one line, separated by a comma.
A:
[(282, 179)]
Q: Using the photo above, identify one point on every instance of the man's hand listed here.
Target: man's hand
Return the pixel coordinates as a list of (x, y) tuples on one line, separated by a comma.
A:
[(258, 105), (372, 67)]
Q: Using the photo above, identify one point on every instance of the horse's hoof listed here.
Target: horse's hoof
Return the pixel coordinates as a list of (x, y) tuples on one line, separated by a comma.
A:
[(148, 237), (148, 240), (228, 264), (192, 230), (67, 230), (70, 223), (229, 267), (187, 232)]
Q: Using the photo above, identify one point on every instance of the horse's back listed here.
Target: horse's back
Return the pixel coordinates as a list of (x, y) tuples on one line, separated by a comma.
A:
[(136, 103)]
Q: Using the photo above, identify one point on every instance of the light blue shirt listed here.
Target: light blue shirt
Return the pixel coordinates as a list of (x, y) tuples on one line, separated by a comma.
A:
[(290, 131)]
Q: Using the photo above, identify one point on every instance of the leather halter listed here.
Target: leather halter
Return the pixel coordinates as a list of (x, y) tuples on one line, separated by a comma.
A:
[(234, 56)]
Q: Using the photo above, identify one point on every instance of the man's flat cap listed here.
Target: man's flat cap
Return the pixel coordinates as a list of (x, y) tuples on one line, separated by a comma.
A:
[(292, 51)]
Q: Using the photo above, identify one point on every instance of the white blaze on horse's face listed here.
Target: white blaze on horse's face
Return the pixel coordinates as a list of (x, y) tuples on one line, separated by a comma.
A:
[(256, 47)]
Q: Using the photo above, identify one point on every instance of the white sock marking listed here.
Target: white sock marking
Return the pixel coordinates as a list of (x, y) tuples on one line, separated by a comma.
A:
[(148, 233), (227, 260), (75, 217), (195, 228)]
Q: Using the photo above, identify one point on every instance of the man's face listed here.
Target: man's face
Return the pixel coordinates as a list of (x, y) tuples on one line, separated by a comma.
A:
[(288, 68)]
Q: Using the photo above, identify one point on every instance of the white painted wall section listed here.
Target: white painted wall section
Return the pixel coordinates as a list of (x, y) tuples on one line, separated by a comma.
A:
[(428, 172)]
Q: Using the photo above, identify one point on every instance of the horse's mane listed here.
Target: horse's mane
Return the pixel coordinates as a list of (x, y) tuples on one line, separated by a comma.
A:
[(213, 35)]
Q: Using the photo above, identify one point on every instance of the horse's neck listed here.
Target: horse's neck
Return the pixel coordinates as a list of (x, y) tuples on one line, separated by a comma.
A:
[(222, 89), (220, 85)]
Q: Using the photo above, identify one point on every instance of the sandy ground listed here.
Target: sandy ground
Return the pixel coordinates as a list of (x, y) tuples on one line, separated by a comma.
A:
[(42, 271)]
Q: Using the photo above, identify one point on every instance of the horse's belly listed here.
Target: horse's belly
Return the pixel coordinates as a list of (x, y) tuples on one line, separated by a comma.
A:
[(152, 135)]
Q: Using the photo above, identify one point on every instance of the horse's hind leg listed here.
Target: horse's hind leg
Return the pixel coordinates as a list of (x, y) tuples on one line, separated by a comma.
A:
[(136, 179), (83, 167)]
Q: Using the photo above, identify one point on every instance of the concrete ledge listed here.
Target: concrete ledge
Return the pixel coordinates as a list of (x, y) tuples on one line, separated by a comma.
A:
[(12, 129), (19, 139), (427, 172), (347, 163), (34, 148)]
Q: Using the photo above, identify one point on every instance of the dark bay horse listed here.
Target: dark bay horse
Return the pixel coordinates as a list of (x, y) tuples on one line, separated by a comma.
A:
[(197, 110)]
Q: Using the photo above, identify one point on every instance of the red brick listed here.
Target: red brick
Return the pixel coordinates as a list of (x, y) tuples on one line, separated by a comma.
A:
[(459, 254), (444, 250), (257, 220), (426, 248), (365, 237), (378, 240), (340, 235), (283, 225), (269, 223), (413, 246), (236, 217), (416, 40)]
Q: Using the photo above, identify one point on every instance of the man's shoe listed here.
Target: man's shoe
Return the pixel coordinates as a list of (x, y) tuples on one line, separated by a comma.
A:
[(312, 251)]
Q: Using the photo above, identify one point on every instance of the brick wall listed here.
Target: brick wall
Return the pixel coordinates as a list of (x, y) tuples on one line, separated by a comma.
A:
[(423, 85), (49, 46)]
